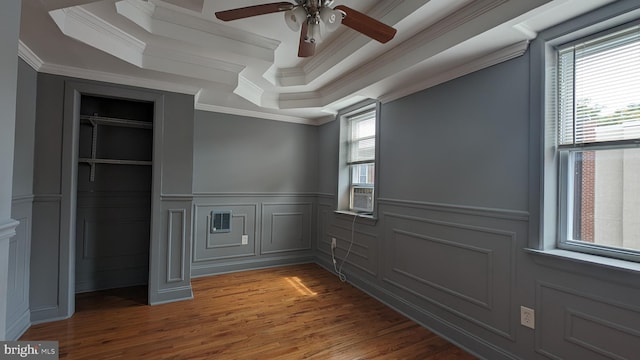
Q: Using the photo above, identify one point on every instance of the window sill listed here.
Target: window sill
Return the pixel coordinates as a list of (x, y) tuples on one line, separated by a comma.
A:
[(547, 257), (367, 219)]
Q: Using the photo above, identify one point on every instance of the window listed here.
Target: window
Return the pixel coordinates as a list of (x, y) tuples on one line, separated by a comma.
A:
[(598, 143), (358, 159)]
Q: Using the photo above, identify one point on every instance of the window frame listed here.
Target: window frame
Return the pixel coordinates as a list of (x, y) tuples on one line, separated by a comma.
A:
[(566, 164), (547, 162), (345, 170)]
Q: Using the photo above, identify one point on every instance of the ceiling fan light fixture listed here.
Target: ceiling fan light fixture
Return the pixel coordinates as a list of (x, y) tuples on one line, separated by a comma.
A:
[(294, 18), (313, 33), (331, 18)]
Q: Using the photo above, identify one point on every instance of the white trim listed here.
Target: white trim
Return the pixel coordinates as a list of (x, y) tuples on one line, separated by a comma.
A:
[(8, 229), (253, 113), (26, 54), (121, 79)]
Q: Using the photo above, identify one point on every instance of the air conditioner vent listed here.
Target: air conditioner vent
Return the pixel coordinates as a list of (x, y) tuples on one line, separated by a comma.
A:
[(220, 221), (362, 198)]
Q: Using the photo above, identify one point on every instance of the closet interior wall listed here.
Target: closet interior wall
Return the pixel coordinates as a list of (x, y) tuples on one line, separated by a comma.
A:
[(114, 193)]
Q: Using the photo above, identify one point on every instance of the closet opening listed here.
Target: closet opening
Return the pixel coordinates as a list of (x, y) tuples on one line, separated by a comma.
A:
[(114, 190)]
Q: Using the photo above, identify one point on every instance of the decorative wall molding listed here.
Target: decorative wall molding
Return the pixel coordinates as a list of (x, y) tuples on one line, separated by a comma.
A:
[(574, 316), (487, 302), (505, 214), (285, 217), (205, 250), (176, 242), (19, 199), (8, 229), (493, 311), (252, 194)]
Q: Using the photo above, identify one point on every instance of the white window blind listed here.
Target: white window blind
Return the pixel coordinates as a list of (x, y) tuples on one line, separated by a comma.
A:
[(599, 90), (362, 138)]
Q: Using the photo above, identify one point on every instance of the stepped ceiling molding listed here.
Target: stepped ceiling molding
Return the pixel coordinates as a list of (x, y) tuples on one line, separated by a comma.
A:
[(250, 66)]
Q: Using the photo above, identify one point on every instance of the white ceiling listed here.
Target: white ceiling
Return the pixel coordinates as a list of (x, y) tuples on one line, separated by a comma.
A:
[(250, 66)]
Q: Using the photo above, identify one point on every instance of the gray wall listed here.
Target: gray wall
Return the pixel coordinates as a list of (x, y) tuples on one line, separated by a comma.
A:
[(18, 315), (265, 173), (235, 154), (9, 29), (448, 248), (55, 167)]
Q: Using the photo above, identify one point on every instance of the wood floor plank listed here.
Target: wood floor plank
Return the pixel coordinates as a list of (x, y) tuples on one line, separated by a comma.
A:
[(293, 312)]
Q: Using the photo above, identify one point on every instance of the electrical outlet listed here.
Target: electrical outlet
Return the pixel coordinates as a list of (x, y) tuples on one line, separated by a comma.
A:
[(245, 239), (334, 243), (527, 317)]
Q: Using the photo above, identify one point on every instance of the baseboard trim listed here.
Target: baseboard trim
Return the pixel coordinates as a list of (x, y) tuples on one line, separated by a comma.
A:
[(225, 268), (165, 296), (19, 327)]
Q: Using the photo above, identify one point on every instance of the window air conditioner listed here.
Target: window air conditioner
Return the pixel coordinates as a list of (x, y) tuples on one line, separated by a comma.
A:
[(362, 198)]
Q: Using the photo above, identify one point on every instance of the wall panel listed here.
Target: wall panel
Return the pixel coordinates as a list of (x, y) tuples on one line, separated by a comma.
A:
[(216, 246), (577, 325), (18, 315), (286, 227), (357, 243), (278, 229), (466, 267)]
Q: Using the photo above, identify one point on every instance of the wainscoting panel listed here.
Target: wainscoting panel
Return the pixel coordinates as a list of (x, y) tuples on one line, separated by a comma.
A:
[(45, 247), (325, 212), (18, 316), (267, 229), (360, 238), (286, 227), (176, 240), (461, 262), (573, 325), (216, 246)]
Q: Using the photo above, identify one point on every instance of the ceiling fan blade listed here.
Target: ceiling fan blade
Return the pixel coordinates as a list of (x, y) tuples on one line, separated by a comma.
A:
[(305, 48), (249, 11), (366, 24)]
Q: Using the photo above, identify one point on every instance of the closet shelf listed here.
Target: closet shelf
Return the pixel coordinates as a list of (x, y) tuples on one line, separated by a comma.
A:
[(101, 120), (114, 161)]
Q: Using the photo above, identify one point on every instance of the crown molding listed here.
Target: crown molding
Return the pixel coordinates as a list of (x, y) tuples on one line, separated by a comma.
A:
[(25, 53), (121, 79), (84, 26), (171, 57), (254, 114), (168, 22), (421, 47), (494, 58)]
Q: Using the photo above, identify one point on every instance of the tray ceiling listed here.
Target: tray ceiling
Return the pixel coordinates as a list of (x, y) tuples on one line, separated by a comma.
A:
[(250, 66)]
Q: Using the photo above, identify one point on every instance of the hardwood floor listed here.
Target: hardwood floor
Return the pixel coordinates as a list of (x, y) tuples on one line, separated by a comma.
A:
[(294, 312)]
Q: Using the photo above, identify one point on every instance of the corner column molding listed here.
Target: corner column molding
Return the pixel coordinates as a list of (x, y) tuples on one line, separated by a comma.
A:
[(8, 229)]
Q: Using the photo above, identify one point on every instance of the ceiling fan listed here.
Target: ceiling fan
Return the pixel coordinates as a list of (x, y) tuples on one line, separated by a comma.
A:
[(307, 16)]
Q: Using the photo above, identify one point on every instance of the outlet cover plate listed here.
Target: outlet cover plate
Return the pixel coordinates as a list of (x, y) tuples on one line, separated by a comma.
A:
[(527, 317)]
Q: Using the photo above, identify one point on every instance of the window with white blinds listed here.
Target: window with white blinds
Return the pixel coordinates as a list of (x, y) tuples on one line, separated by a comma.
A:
[(598, 132), (599, 90), (357, 154), (362, 137)]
